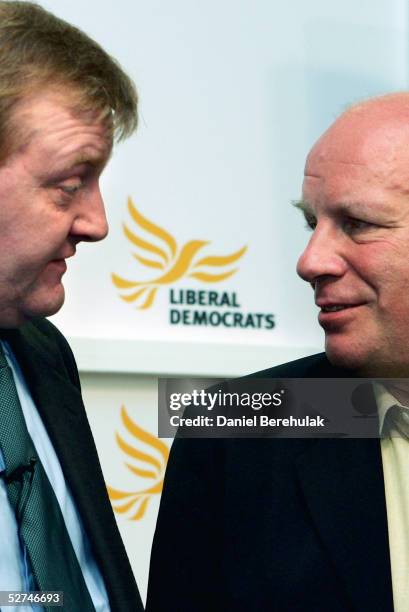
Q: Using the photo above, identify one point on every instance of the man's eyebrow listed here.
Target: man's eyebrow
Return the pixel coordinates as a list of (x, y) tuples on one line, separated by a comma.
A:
[(301, 205), (92, 159), (352, 207), (83, 158)]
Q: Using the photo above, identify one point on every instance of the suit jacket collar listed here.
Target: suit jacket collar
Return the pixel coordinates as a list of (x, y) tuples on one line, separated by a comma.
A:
[(60, 405)]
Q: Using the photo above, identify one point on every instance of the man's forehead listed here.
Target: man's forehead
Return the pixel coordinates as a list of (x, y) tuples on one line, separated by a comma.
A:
[(55, 120), (367, 135)]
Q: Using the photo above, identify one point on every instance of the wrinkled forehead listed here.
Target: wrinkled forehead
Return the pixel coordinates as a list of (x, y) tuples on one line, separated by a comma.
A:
[(58, 114)]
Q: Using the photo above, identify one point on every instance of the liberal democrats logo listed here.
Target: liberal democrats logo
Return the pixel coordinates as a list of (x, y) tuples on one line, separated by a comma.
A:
[(146, 458), (160, 251)]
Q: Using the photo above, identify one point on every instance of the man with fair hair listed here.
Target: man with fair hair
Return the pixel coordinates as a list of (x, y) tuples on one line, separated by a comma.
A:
[(63, 101), (314, 525)]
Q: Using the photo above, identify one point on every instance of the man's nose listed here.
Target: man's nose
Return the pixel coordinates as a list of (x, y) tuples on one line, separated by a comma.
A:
[(90, 224), (322, 256)]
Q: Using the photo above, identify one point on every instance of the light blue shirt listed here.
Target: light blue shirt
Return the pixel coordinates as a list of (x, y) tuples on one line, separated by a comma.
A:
[(15, 570)]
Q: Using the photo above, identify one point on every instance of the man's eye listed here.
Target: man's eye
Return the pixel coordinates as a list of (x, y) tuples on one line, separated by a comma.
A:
[(310, 222), (352, 225), (70, 188)]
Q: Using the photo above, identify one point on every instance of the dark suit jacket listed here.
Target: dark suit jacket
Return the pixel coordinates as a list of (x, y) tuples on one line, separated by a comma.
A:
[(51, 374), (273, 525)]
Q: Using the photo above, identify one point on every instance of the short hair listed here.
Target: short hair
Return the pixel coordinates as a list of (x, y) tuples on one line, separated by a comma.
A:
[(37, 49)]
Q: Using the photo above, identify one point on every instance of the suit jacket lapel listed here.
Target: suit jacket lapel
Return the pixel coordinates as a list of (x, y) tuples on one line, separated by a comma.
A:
[(343, 487), (342, 482), (60, 405), (57, 399)]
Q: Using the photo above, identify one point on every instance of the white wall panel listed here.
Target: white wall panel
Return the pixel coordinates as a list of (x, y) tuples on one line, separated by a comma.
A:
[(233, 94)]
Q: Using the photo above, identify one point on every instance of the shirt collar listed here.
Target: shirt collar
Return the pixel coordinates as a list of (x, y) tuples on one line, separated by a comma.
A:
[(6, 348), (384, 400)]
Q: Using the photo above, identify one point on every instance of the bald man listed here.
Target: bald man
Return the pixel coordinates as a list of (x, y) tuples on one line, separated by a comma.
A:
[(318, 525)]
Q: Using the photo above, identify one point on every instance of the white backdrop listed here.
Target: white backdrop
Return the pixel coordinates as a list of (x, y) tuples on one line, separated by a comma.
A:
[(233, 94)]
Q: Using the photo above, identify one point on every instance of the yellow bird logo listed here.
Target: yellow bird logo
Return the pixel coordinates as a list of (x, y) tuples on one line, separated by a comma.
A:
[(148, 466), (174, 262)]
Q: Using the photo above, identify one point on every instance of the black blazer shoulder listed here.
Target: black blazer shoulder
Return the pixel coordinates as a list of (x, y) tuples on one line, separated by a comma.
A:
[(277, 525)]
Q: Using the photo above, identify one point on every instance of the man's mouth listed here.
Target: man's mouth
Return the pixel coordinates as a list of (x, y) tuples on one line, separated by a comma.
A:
[(331, 316), (58, 264), (336, 307)]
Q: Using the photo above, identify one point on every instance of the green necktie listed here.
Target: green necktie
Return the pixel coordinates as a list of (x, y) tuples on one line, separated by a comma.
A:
[(41, 524)]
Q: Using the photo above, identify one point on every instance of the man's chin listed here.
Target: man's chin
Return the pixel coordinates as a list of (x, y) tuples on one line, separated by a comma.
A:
[(364, 361), (347, 357), (39, 306)]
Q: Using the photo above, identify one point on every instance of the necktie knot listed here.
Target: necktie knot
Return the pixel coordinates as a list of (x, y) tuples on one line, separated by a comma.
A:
[(396, 422)]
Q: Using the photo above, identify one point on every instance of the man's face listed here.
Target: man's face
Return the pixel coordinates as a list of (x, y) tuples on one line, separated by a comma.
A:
[(356, 201), (49, 202)]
